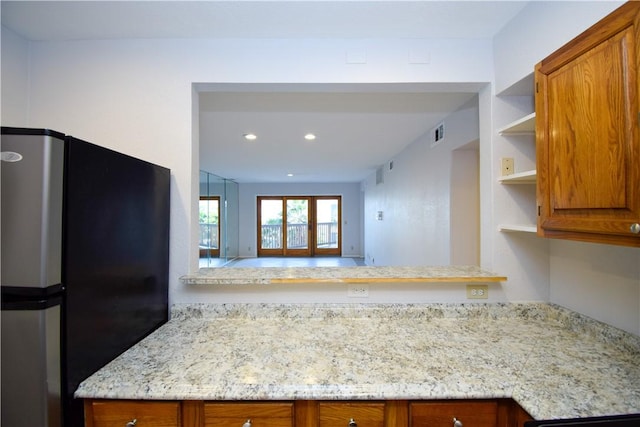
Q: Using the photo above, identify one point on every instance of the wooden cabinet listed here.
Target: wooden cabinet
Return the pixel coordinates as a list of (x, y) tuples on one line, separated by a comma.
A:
[(248, 414), (519, 416), (475, 413), (587, 137), (351, 414), (129, 413), (304, 413)]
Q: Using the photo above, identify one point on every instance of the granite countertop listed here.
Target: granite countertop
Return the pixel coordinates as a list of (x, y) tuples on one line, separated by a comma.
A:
[(553, 362), (360, 274)]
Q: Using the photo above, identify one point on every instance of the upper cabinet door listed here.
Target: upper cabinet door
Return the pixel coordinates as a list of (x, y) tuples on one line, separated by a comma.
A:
[(587, 138)]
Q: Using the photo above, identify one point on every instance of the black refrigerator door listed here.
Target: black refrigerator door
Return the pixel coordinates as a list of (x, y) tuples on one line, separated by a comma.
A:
[(116, 259)]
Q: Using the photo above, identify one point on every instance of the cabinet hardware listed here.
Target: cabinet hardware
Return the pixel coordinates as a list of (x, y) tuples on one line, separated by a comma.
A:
[(457, 422), (635, 228), (132, 423), (352, 423), (247, 423)]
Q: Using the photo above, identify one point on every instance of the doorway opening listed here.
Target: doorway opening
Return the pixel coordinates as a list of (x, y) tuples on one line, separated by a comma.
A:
[(299, 226)]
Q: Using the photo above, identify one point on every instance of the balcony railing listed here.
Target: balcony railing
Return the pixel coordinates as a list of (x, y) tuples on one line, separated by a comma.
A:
[(208, 236), (298, 237)]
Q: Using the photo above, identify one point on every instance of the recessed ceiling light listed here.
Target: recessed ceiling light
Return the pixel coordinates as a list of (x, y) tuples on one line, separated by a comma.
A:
[(289, 174), (309, 137), (250, 136)]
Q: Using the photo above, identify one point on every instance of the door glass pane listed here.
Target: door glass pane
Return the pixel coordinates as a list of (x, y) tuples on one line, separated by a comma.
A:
[(297, 224), (327, 223), (271, 222), (209, 216)]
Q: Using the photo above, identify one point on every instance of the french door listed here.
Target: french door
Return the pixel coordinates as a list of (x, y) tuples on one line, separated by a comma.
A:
[(299, 225), (209, 226)]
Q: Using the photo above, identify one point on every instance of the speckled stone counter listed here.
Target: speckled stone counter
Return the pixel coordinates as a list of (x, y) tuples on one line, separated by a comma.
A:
[(361, 274), (553, 362)]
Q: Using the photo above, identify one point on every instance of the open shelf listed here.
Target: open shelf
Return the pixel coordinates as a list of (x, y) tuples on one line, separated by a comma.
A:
[(527, 177), (518, 228), (523, 126)]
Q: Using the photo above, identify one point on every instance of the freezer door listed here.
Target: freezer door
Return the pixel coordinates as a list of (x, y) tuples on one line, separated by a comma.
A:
[(32, 186), (30, 368)]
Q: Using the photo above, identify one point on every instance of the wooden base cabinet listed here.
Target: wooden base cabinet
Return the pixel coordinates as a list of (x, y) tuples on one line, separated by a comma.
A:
[(483, 413), (305, 413), (132, 413), (248, 414), (351, 414)]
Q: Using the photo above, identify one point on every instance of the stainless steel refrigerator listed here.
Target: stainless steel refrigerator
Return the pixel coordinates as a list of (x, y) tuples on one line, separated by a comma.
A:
[(84, 272)]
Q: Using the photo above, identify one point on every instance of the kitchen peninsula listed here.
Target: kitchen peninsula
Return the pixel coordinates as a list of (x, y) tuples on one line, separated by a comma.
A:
[(553, 362)]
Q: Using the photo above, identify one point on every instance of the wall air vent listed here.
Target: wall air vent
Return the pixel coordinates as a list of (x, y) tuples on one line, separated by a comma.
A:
[(437, 134)]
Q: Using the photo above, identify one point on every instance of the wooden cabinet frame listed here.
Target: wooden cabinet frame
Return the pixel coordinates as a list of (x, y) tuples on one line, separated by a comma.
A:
[(306, 413)]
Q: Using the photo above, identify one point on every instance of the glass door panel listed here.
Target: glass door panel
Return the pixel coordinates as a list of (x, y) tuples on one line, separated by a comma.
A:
[(327, 220), (209, 214), (297, 226), (270, 221)]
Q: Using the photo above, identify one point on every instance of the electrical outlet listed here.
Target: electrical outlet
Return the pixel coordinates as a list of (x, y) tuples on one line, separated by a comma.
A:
[(477, 291), (358, 290), (507, 166)]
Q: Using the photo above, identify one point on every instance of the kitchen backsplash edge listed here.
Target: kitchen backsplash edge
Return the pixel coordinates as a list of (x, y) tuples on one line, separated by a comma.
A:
[(568, 319)]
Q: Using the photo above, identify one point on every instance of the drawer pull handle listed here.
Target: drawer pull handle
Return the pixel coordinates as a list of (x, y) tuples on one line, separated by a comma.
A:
[(457, 422), (635, 228), (352, 423), (247, 423), (132, 423)]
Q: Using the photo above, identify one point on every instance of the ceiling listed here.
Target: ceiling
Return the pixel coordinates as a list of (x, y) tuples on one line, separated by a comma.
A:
[(358, 127)]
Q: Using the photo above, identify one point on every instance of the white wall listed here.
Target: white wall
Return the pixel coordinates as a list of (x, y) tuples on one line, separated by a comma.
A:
[(415, 198), (15, 79), (465, 205), (539, 29), (351, 211)]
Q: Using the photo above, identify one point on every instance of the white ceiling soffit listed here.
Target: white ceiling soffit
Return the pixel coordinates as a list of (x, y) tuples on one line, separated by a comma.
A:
[(78, 20)]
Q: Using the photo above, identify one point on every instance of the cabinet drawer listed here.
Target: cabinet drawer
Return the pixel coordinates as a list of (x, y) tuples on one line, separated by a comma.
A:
[(340, 414), (441, 414), (234, 414), (117, 413)]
